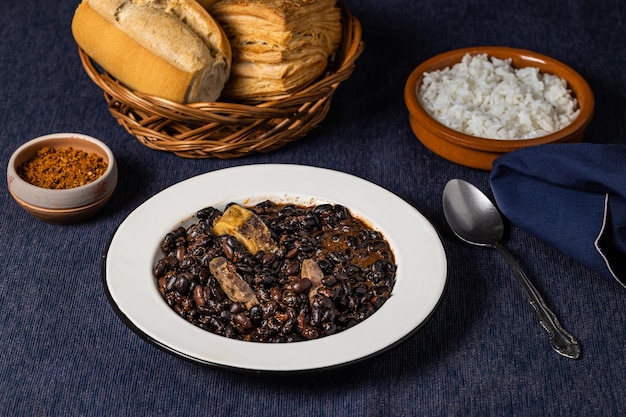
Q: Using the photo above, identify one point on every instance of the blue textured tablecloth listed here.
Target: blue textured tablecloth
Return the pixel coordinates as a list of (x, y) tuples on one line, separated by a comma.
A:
[(64, 352)]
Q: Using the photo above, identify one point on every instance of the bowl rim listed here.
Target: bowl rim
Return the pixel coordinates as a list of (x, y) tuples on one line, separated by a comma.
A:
[(576, 83), (106, 182)]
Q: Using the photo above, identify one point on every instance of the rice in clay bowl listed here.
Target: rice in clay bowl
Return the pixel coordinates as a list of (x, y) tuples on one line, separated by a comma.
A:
[(480, 152)]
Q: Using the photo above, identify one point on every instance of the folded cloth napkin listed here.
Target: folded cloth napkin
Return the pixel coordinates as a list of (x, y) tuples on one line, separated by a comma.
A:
[(572, 196)]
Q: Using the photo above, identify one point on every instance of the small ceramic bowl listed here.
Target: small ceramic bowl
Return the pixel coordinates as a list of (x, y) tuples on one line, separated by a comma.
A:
[(62, 206), (478, 152)]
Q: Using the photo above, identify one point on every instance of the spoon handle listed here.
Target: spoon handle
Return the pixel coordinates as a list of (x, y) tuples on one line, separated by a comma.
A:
[(560, 339)]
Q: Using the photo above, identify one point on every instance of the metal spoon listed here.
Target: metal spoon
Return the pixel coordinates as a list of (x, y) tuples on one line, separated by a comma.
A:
[(476, 220)]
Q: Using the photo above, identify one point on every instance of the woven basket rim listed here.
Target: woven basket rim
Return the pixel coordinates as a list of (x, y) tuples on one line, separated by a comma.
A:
[(280, 120)]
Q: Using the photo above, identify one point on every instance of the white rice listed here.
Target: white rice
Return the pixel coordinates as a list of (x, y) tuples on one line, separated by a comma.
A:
[(488, 98)]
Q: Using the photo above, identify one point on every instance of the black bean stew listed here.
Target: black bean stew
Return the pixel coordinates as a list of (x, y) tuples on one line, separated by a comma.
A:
[(328, 272)]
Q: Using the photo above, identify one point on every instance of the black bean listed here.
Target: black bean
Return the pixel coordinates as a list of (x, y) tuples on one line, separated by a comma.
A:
[(292, 253), (290, 299), (186, 303), (328, 316), (242, 323), (316, 316), (336, 258), (268, 259), (329, 280), (341, 212), (236, 308), (287, 210), (301, 285), (171, 282), (206, 213), (161, 284), (360, 290), (256, 315), (273, 324), (165, 264), (216, 293), (229, 251), (168, 243), (245, 269), (198, 296), (309, 332), (203, 275), (179, 309), (324, 210), (197, 252), (269, 308), (293, 268), (158, 270), (352, 270), (187, 263), (310, 220), (182, 284), (326, 302)]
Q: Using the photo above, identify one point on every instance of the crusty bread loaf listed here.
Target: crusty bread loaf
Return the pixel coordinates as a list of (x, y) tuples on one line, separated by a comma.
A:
[(278, 46), (167, 48), (207, 3)]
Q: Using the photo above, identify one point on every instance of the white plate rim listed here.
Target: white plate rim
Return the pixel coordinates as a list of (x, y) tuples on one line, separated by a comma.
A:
[(131, 290)]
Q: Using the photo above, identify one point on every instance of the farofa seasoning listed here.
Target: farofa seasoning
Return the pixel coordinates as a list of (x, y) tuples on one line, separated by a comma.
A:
[(62, 168)]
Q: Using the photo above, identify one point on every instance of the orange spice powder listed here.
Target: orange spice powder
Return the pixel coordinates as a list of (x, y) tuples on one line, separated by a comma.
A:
[(62, 168)]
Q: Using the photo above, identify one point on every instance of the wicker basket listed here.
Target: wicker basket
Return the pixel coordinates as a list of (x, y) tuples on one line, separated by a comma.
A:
[(229, 130)]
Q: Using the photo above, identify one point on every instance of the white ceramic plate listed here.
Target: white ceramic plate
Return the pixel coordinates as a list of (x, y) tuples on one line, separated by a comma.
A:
[(134, 250)]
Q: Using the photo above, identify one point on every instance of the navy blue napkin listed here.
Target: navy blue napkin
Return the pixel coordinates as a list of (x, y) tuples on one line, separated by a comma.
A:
[(572, 196)]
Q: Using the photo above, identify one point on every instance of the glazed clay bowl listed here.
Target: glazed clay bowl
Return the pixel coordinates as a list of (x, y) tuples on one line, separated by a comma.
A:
[(62, 206), (478, 152)]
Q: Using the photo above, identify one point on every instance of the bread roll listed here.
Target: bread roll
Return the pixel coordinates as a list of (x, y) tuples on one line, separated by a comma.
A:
[(167, 48), (207, 3), (279, 46)]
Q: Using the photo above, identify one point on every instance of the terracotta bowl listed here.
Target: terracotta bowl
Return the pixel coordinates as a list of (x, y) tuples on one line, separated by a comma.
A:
[(478, 152), (62, 206)]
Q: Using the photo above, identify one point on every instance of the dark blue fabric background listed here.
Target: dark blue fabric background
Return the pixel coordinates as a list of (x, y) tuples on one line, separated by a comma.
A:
[(64, 352)]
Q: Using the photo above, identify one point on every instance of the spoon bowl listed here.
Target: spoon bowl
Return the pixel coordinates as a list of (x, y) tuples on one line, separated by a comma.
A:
[(476, 220), (479, 222)]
